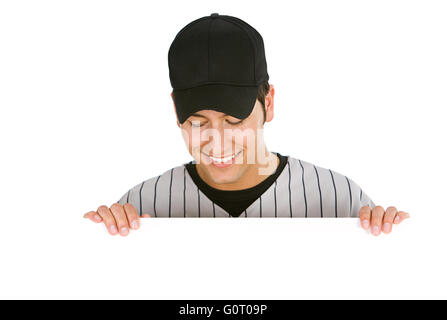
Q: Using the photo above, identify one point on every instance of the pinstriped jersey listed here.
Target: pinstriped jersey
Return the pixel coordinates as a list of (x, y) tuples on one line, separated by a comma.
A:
[(302, 190)]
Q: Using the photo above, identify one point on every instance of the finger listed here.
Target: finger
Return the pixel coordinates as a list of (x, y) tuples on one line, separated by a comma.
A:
[(93, 216), (376, 219), (132, 216), (120, 218), (146, 215), (365, 216), (108, 219), (388, 219), (400, 216)]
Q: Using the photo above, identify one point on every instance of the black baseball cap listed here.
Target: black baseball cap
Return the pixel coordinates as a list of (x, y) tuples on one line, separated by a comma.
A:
[(216, 62)]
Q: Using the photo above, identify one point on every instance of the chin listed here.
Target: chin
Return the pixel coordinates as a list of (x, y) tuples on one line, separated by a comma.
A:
[(223, 175)]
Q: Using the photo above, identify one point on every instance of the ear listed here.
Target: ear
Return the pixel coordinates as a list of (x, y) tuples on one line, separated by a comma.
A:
[(269, 104), (175, 111)]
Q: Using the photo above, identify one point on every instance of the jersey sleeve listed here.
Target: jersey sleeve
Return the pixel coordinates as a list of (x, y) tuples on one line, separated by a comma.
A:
[(359, 198), (142, 195)]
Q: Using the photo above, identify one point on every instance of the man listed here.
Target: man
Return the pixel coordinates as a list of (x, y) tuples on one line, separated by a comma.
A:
[(222, 99)]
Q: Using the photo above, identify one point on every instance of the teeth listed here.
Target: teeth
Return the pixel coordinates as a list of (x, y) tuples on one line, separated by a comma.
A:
[(222, 160)]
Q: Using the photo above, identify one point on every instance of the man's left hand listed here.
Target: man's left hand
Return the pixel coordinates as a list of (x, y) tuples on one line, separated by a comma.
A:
[(379, 220)]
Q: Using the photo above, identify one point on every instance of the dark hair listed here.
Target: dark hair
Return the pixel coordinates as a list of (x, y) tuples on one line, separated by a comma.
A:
[(263, 90)]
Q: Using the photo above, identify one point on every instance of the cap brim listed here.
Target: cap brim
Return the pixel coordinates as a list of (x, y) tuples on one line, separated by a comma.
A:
[(237, 101)]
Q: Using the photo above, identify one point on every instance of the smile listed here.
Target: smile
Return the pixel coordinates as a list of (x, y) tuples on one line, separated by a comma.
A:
[(223, 159)]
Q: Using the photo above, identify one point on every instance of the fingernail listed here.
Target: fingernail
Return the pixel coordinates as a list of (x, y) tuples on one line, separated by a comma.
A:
[(386, 227), (396, 219), (365, 224), (124, 231), (375, 230), (134, 224), (113, 229), (97, 218)]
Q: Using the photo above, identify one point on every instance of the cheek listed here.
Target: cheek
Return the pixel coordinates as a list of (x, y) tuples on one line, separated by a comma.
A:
[(194, 139), (186, 134), (239, 138), (246, 137)]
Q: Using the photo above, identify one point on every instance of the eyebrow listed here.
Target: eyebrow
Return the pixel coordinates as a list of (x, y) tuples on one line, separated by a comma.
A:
[(202, 116), (198, 115)]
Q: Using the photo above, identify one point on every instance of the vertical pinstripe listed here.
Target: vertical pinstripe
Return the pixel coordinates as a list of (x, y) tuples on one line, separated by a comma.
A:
[(260, 206), (170, 190), (361, 194), (141, 205), (276, 205), (335, 193), (184, 191), (319, 189), (214, 210), (155, 195), (290, 193), (128, 193), (350, 196), (246, 213), (304, 188), (198, 201)]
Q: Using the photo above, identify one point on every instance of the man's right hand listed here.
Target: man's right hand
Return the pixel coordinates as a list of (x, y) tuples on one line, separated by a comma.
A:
[(117, 218)]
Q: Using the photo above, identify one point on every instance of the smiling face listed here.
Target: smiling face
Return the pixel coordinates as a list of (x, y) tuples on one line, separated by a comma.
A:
[(229, 151)]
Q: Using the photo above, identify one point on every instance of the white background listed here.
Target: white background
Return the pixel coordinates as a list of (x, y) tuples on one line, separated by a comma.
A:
[(86, 114)]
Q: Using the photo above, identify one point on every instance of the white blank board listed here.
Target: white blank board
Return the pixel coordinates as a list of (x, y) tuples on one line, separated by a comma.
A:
[(224, 259)]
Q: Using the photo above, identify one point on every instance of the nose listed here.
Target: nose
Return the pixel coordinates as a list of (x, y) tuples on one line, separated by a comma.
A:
[(220, 142)]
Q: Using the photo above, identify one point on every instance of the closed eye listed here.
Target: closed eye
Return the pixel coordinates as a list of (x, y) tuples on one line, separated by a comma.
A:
[(196, 123), (234, 123)]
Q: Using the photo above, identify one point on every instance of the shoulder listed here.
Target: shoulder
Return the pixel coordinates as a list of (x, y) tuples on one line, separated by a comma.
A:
[(330, 184), (168, 176), (307, 166), (312, 169)]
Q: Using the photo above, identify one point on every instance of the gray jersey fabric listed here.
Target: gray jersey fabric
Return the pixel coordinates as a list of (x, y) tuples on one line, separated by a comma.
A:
[(302, 190)]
